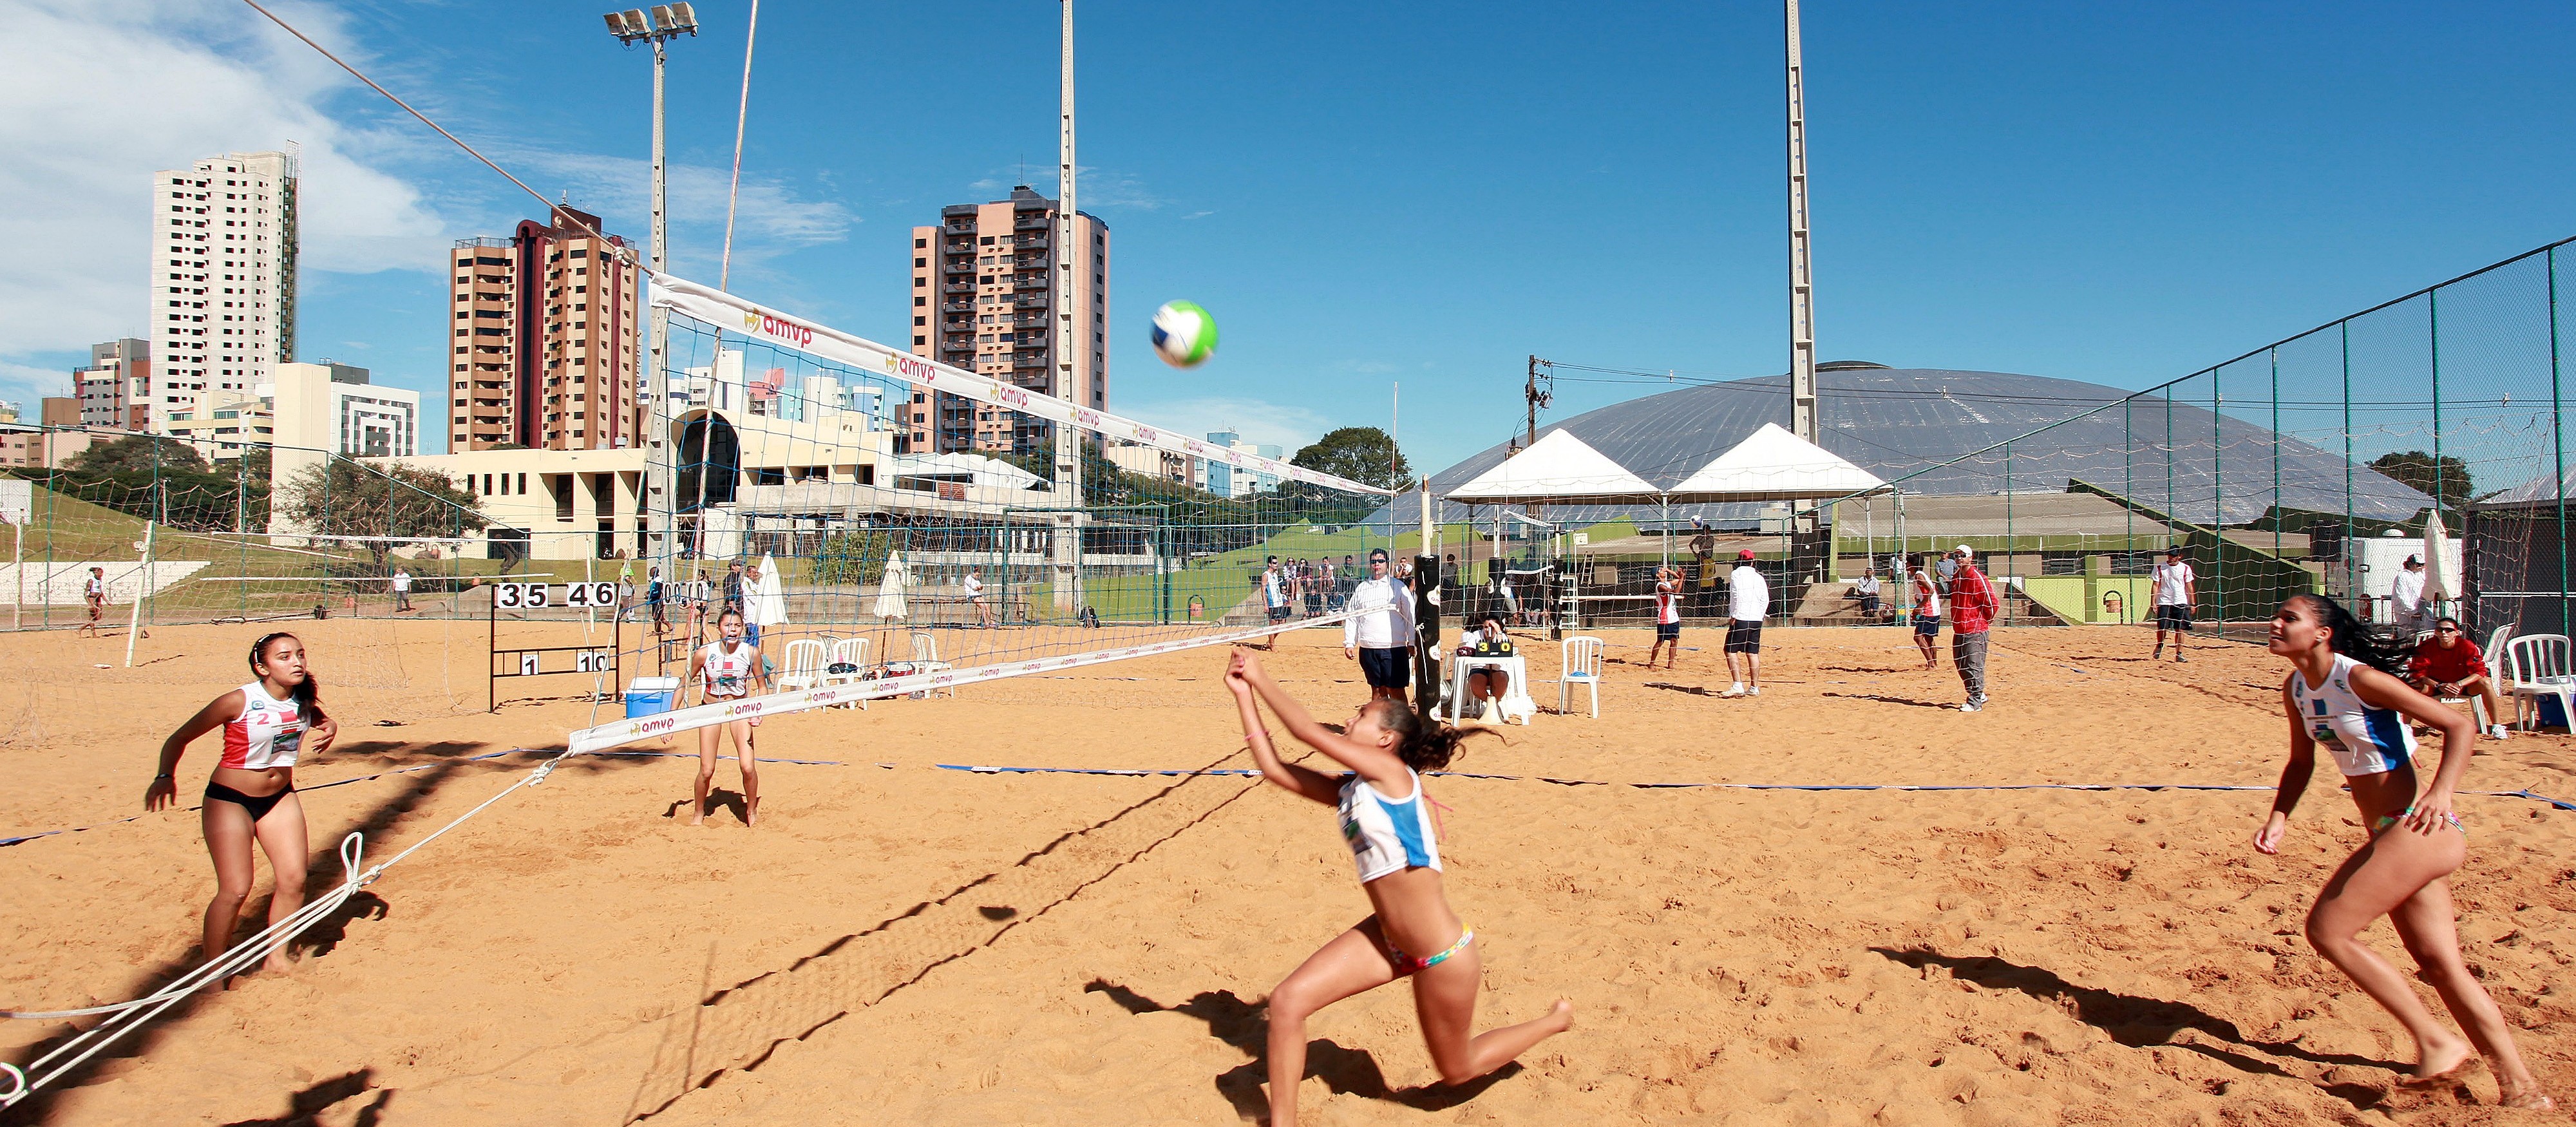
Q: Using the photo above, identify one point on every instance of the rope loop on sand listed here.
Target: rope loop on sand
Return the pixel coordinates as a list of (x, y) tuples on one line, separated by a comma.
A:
[(125, 1017)]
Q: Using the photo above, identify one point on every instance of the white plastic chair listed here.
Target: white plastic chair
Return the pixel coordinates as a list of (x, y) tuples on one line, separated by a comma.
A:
[(1581, 665), (925, 656), (2541, 665), (852, 652), (804, 665)]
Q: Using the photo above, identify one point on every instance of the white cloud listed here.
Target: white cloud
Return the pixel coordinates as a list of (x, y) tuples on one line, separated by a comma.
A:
[(24, 384), (1098, 188), (100, 94), (770, 221), (1257, 420)]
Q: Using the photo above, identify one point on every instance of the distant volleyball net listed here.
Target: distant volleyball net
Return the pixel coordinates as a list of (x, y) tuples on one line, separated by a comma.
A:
[(891, 524)]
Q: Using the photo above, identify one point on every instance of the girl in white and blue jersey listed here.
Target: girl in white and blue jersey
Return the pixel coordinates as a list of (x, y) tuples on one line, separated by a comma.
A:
[(1386, 821), (2343, 695), (728, 669)]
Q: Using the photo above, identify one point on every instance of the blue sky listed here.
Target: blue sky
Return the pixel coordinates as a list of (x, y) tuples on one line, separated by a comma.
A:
[(1366, 193)]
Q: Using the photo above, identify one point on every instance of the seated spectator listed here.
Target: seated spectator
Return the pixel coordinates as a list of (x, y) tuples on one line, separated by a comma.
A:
[(2448, 664), (1867, 592), (1487, 640)]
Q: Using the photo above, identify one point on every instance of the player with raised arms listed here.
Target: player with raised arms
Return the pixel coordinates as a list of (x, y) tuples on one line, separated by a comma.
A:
[(727, 668), (268, 724), (1386, 819), (2343, 694)]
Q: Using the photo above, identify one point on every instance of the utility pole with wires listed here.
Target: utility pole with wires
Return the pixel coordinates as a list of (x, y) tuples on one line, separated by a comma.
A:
[(1540, 393)]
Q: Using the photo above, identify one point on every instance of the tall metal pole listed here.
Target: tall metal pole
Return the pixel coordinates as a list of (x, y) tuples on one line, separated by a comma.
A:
[(657, 518), (1068, 339), (1802, 288)]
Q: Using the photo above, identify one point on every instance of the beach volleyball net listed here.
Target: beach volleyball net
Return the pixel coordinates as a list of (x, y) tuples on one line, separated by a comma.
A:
[(892, 525)]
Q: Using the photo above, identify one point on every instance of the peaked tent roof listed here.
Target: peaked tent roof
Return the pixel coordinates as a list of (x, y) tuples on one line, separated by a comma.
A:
[(1772, 464), (1558, 466)]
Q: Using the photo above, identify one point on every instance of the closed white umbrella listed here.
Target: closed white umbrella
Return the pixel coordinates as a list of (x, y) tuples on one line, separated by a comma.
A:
[(2441, 583), (769, 604), (890, 592)]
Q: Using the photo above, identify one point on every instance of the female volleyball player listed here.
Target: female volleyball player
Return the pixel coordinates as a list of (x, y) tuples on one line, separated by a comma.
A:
[(1386, 819), (267, 724), (727, 668), (2343, 693)]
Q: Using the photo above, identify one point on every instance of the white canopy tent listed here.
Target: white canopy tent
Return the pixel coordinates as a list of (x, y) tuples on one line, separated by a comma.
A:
[(1771, 464), (1560, 468), (1774, 465)]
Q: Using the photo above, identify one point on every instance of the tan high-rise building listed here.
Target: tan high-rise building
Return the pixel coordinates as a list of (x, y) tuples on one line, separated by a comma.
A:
[(116, 389), (223, 277), (989, 292), (547, 354)]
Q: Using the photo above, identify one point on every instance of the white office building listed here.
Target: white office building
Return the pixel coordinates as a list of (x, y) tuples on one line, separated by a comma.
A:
[(222, 282)]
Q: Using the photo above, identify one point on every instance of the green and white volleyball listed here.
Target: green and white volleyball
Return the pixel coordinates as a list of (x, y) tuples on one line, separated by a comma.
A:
[(1184, 334)]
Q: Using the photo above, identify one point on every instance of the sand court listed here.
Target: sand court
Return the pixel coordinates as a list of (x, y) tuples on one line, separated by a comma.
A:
[(903, 943)]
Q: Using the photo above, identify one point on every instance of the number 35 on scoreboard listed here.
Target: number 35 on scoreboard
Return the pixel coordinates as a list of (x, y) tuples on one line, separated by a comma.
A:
[(530, 596)]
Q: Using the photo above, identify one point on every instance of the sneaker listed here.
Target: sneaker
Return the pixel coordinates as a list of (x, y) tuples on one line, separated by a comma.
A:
[(1735, 690), (1755, 691), (2495, 731), (2179, 659), (1979, 700), (1972, 706)]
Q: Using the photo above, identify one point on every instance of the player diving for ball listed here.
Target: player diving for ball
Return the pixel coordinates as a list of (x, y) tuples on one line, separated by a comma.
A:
[(1386, 819)]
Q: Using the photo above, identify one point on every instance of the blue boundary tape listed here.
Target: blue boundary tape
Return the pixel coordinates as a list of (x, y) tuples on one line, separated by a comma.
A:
[(1236, 772), (1241, 773), (6, 842)]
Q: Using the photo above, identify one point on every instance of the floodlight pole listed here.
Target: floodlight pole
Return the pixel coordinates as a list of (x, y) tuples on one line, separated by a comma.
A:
[(657, 374), (658, 28), (1068, 457)]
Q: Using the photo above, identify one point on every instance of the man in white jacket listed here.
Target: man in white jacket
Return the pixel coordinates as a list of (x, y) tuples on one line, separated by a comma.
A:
[(1380, 630)]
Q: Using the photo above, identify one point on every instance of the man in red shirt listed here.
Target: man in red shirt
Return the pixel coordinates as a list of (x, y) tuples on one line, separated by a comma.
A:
[(1972, 609), (2449, 665)]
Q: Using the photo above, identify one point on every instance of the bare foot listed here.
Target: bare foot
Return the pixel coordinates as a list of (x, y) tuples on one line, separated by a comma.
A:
[(2443, 1064), (2529, 1098), (751, 811), (698, 815), (277, 963), (1563, 1015)]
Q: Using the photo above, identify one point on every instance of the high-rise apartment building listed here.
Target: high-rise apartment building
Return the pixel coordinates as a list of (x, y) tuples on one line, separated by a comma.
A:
[(989, 292), (547, 355), (116, 389), (223, 277)]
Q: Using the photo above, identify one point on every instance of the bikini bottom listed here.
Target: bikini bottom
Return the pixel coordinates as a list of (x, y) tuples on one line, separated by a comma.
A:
[(258, 805)]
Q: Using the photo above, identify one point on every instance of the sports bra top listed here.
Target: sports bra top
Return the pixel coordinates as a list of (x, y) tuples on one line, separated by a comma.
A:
[(267, 734), (2365, 740), (1385, 835), (728, 672)]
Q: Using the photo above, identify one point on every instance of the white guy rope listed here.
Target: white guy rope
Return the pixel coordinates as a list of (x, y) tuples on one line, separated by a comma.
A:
[(126, 1017)]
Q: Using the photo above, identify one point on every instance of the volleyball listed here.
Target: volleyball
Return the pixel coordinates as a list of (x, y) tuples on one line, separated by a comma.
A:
[(1184, 334)]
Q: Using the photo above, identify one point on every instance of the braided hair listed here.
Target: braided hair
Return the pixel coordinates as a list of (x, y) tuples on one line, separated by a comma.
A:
[(308, 693), (2349, 636), (1424, 745)]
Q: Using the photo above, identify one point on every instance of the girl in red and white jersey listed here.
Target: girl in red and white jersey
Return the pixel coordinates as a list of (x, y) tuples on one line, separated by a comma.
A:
[(268, 724), (727, 669)]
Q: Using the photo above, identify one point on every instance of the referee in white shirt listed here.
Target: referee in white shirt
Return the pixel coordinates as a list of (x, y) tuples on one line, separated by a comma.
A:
[(1380, 630)]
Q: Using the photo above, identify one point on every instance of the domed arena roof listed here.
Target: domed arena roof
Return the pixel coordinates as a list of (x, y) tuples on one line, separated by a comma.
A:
[(1895, 422)]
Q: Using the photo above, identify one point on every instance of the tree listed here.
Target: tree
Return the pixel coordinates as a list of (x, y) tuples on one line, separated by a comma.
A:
[(2418, 470), (135, 454), (344, 498), (1363, 454)]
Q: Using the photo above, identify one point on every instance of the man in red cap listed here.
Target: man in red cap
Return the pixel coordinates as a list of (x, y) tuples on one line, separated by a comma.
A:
[(1972, 609), (1749, 599)]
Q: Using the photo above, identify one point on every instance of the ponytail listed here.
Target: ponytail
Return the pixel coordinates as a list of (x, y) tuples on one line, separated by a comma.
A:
[(2348, 636), (1424, 745), (308, 694)]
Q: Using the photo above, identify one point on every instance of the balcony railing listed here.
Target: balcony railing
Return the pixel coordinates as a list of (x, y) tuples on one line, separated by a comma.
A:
[(1031, 300), (958, 287), (1030, 281), (1034, 223)]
